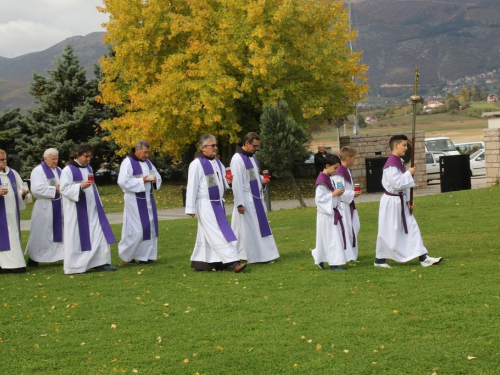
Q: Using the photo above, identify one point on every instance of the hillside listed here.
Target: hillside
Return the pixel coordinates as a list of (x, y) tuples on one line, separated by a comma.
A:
[(447, 40), (16, 74)]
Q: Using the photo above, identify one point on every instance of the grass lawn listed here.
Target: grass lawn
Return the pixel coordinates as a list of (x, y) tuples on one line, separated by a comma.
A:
[(288, 317)]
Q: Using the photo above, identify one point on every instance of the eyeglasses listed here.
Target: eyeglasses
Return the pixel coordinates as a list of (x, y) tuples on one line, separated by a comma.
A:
[(87, 156), (3, 159), (254, 146), (213, 146)]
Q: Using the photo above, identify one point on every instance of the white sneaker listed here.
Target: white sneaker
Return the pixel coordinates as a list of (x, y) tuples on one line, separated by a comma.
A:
[(382, 265), (430, 261)]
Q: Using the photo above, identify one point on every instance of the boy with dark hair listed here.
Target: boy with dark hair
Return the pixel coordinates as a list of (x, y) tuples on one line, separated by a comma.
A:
[(398, 233), (332, 245)]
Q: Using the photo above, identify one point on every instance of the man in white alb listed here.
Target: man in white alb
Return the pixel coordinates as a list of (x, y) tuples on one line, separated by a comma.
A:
[(249, 221), (138, 179), (215, 241), (87, 233), (46, 230)]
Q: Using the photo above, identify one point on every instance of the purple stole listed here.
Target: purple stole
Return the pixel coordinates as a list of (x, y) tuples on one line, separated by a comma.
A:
[(57, 220), (82, 214), (215, 199), (4, 240), (344, 172), (265, 229), (324, 179), (395, 161), (142, 204)]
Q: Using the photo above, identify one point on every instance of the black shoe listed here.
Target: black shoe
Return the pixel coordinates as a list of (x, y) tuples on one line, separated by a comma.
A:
[(321, 265), (31, 263), (105, 267)]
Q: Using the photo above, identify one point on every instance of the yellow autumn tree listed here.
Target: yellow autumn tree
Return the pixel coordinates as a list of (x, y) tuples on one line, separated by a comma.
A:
[(182, 68)]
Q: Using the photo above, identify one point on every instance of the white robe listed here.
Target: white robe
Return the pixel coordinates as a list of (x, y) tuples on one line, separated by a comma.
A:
[(392, 241), (211, 245), (14, 257), (76, 260), (41, 246), (251, 245), (350, 223), (132, 245), (329, 240)]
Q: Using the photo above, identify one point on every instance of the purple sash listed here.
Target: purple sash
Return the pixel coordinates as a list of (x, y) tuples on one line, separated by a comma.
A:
[(265, 229), (82, 214), (57, 219), (324, 179), (215, 199), (142, 204), (344, 172), (400, 195), (4, 240), (396, 162)]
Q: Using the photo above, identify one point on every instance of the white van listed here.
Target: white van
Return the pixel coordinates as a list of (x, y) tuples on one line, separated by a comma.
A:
[(440, 144), (469, 147)]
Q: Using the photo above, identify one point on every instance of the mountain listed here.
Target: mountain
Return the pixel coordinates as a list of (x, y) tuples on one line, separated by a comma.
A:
[(16, 74), (446, 39)]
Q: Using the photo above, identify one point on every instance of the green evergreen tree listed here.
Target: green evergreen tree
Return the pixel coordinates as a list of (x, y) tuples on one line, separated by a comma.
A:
[(283, 142), (67, 114)]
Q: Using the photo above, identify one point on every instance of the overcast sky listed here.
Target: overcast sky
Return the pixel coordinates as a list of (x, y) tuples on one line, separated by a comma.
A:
[(34, 25)]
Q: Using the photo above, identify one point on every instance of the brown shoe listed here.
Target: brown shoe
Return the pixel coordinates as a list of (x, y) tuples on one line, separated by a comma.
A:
[(239, 267)]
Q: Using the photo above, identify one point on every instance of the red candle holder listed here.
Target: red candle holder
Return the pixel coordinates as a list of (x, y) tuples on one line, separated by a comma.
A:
[(266, 175)]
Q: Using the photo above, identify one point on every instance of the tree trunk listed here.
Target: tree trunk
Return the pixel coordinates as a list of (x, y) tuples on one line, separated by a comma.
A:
[(297, 191)]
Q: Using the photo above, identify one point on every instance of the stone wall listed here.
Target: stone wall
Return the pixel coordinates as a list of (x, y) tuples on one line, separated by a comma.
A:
[(373, 146), (492, 153)]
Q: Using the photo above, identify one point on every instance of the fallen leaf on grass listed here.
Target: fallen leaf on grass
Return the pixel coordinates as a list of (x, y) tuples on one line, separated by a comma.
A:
[(346, 351), (219, 347), (44, 335), (114, 360), (303, 337), (394, 311), (157, 357), (82, 344), (470, 358), (310, 341), (113, 326), (319, 347), (135, 371), (186, 361)]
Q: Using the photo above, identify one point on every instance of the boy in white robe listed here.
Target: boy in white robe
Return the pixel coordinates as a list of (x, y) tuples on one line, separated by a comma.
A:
[(343, 178), (11, 202), (46, 240), (332, 245), (398, 236)]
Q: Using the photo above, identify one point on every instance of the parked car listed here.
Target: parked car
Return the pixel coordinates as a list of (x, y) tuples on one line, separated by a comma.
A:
[(310, 158), (432, 165), (440, 144), (469, 147), (478, 163)]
